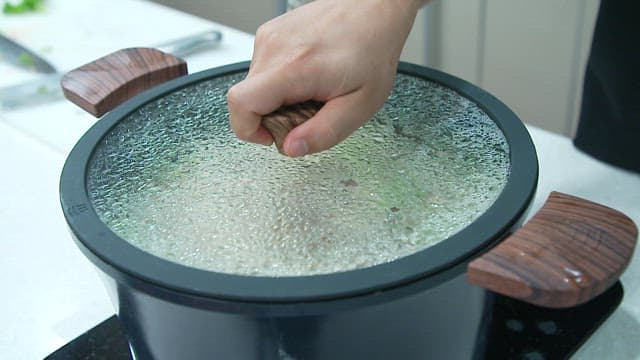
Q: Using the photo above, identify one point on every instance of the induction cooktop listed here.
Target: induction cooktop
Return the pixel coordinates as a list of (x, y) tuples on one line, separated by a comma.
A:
[(515, 330)]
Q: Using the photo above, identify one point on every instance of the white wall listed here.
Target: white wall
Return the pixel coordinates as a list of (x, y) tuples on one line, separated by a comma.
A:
[(530, 54), (245, 15)]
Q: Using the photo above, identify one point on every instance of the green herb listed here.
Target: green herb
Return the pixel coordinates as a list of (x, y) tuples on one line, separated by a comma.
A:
[(22, 6), (26, 59)]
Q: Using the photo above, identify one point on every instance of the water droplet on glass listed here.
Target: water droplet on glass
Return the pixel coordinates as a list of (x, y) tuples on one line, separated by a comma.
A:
[(181, 186)]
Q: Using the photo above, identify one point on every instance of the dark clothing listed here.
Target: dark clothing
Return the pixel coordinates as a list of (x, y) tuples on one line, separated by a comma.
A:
[(609, 127)]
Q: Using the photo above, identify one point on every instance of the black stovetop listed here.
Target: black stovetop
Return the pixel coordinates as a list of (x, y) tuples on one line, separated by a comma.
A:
[(516, 331)]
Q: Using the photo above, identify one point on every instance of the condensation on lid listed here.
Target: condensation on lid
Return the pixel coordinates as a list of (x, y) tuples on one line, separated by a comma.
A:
[(173, 180)]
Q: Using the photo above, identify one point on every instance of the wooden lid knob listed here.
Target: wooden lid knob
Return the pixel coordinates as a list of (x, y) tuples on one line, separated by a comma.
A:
[(283, 120)]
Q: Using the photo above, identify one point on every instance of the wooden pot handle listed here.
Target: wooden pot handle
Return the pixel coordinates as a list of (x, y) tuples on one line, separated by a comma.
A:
[(283, 120), (103, 84), (568, 253)]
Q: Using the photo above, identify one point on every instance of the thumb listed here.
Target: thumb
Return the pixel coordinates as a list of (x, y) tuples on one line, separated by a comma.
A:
[(335, 121)]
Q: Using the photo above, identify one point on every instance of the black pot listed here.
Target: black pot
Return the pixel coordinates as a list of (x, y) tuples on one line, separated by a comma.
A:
[(420, 306)]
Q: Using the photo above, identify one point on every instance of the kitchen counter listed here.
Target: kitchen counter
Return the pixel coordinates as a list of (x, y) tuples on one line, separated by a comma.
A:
[(53, 294)]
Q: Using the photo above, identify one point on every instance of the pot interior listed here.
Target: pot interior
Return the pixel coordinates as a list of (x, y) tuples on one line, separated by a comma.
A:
[(172, 179)]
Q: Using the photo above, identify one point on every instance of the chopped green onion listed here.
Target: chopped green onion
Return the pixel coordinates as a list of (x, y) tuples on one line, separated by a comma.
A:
[(22, 6), (26, 59)]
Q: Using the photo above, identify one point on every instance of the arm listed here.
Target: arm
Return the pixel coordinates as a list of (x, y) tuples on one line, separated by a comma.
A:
[(341, 52)]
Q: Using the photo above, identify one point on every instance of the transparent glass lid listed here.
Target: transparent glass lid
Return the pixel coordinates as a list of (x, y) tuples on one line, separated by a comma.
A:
[(173, 180)]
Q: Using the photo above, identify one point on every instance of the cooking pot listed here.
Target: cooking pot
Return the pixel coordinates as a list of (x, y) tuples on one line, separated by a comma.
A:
[(428, 304)]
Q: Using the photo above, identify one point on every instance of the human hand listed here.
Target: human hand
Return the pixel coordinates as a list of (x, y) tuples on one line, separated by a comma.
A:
[(341, 52)]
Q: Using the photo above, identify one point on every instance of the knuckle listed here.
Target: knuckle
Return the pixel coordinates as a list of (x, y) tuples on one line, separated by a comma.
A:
[(233, 99), (266, 34), (300, 56), (262, 31)]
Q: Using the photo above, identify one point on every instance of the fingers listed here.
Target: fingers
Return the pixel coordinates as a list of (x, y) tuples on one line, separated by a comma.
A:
[(244, 104), (258, 95), (337, 119)]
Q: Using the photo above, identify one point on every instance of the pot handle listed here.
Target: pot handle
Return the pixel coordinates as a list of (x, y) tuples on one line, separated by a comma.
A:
[(103, 84), (571, 251)]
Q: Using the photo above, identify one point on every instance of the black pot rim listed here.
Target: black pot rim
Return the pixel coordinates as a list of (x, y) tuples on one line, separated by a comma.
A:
[(120, 256)]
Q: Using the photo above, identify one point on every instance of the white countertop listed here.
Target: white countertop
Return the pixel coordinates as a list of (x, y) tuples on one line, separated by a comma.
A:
[(52, 293)]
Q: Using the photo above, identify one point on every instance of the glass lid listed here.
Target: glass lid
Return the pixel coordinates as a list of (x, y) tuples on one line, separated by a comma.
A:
[(173, 180)]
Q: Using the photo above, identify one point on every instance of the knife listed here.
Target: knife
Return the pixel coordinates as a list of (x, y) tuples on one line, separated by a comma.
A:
[(47, 88), (22, 57)]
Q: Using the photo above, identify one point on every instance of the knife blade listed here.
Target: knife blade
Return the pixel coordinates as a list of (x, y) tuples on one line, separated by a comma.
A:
[(47, 88), (22, 57), (34, 92)]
